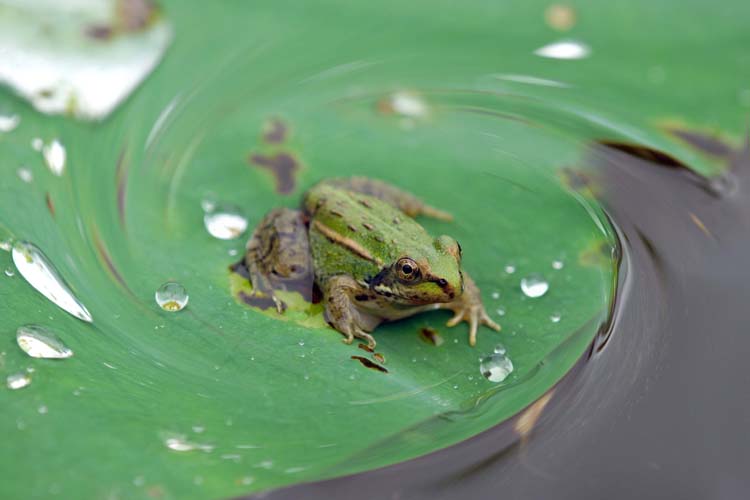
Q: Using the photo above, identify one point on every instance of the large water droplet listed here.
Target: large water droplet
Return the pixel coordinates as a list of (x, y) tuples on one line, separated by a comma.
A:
[(9, 122), (41, 274), (39, 342), (534, 286), (496, 367), (225, 222), (17, 381), (55, 156), (171, 296)]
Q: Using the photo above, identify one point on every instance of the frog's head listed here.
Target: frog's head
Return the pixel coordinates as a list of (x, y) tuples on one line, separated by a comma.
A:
[(425, 276)]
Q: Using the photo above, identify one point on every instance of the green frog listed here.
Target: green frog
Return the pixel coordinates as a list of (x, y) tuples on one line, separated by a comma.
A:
[(356, 239)]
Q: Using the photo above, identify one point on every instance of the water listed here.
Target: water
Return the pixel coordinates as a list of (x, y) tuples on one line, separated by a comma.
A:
[(17, 381), (8, 123), (172, 296), (180, 444), (565, 49), (25, 174), (36, 268), (225, 222), (40, 342), (534, 286), (496, 367), (55, 157)]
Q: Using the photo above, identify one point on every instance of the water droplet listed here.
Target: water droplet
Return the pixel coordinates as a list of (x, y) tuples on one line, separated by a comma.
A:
[(266, 464), (179, 443), (306, 376), (500, 311), (534, 286), (43, 410), (139, 481), (54, 156), (9, 272), (496, 367), (555, 317), (198, 480), (510, 269), (500, 349), (9, 122), (495, 295), (565, 49), (41, 274), (233, 252), (6, 245), (408, 104), (25, 174), (39, 342), (37, 144), (17, 381), (247, 480), (225, 222), (198, 429), (171, 296), (557, 265), (301, 343)]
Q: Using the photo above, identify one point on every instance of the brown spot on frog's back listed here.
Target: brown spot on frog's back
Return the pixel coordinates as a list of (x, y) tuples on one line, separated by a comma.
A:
[(282, 166)]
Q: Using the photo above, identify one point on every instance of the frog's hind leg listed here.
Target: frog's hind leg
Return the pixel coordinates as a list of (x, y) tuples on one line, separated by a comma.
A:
[(408, 203), (339, 295), (278, 256)]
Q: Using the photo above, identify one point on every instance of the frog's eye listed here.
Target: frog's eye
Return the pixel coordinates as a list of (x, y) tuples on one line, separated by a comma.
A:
[(407, 270)]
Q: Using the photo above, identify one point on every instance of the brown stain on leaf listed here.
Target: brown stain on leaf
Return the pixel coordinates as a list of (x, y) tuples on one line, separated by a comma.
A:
[(703, 142), (379, 358), (282, 166), (275, 131), (431, 336), (370, 364), (50, 204), (644, 153), (365, 347)]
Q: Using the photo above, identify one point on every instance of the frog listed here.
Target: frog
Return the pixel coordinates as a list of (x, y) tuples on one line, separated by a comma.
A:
[(357, 241)]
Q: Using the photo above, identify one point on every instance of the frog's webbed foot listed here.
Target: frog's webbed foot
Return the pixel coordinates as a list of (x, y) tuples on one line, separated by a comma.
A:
[(468, 307), (342, 314), (408, 203)]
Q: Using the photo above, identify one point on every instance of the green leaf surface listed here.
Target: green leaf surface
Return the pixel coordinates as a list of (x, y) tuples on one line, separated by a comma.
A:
[(218, 399)]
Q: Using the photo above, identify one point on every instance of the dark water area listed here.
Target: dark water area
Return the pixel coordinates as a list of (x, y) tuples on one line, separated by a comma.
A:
[(659, 407)]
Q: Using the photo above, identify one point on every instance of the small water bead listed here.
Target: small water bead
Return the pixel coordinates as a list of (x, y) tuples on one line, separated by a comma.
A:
[(179, 443), (510, 269), (500, 349), (6, 245), (555, 317), (43, 410), (25, 174), (301, 343), (172, 296), (495, 295), (247, 480), (37, 143), (500, 311), (225, 222), (557, 265), (17, 381), (36, 268), (565, 49), (408, 104), (496, 367), (55, 157), (534, 286), (8, 123), (39, 342), (9, 272)]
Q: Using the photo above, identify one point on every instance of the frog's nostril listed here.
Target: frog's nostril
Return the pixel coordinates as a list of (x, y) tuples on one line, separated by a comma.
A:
[(442, 283)]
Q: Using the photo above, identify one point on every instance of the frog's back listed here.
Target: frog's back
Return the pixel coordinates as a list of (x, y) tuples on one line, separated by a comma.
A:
[(356, 231)]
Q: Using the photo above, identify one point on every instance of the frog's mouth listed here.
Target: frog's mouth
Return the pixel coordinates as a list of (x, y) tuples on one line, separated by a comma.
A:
[(429, 290)]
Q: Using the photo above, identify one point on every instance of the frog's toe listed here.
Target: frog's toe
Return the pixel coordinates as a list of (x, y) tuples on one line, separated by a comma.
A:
[(280, 304)]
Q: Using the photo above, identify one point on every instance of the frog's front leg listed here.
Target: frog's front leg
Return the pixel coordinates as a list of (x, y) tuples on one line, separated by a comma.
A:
[(468, 307), (408, 203), (339, 294)]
